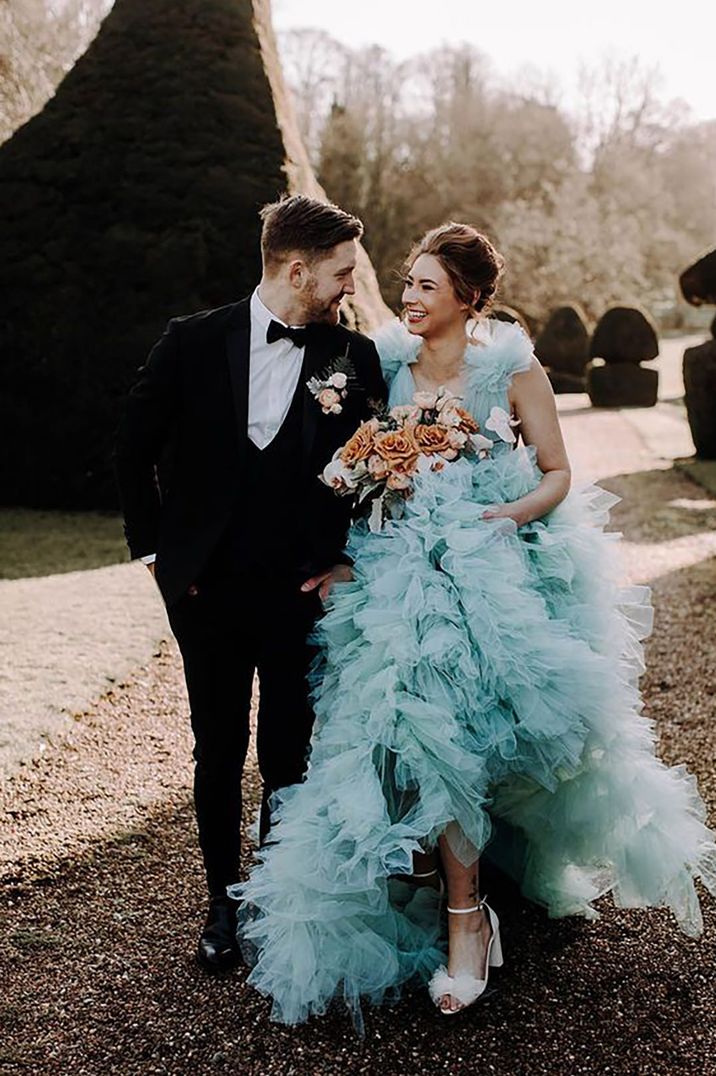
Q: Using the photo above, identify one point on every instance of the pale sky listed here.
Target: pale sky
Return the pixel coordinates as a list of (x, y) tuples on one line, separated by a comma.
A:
[(552, 35)]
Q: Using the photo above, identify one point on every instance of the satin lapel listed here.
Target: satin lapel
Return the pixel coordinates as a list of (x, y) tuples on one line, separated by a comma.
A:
[(314, 359), (237, 351)]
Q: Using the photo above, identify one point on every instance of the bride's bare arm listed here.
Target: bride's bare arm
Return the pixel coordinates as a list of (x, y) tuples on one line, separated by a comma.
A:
[(533, 402)]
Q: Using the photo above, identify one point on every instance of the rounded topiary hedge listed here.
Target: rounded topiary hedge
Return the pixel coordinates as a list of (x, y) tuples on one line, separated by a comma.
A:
[(563, 348), (622, 384), (698, 282), (624, 337), (700, 394), (130, 198), (624, 334)]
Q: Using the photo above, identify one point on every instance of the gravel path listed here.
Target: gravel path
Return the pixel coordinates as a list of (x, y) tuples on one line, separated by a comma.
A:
[(64, 640), (103, 893)]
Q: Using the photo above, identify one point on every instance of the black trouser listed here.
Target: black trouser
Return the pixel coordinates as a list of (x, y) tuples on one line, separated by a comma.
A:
[(239, 622)]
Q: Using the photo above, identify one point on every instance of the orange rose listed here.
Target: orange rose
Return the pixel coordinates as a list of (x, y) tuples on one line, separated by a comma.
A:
[(432, 438), (360, 445), (397, 447), (467, 422)]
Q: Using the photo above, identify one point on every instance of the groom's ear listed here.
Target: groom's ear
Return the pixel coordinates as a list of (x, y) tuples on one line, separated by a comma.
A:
[(297, 272)]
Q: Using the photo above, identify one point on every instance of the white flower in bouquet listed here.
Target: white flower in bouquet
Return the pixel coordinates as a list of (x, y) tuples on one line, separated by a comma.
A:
[(338, 476), (406, 413), (378, 468), (449, 417), (481, 444), (502, 424), (457, 438), (446, 402)]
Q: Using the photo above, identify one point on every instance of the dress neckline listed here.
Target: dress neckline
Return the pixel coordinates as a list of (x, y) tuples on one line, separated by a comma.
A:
[(481, 339), (456, 392)]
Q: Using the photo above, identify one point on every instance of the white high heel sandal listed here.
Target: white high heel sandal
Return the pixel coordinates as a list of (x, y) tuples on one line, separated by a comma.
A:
[(463, 987)]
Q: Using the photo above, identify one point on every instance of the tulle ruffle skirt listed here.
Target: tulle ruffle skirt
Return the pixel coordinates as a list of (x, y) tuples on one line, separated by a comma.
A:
[(480, 680)]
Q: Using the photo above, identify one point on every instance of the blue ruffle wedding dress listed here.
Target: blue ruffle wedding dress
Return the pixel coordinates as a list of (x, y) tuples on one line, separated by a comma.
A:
[(479, 674)]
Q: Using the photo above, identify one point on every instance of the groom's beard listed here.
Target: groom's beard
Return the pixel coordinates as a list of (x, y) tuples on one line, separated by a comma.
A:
[(326, 312)]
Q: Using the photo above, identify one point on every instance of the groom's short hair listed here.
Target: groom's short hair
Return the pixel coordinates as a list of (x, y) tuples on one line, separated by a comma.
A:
[(298, 224)]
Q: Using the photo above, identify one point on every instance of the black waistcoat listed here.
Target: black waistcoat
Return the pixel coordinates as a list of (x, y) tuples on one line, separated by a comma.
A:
[(266, 527)]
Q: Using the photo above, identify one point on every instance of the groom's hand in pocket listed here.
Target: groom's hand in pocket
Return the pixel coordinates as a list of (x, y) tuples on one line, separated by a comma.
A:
[(339, 573)]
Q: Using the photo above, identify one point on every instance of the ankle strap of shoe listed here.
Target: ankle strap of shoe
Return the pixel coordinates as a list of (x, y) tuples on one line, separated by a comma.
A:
[(466, 911), (426, 874)]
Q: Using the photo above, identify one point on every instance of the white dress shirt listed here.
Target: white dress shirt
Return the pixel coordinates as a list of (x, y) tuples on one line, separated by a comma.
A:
[(274, 370)]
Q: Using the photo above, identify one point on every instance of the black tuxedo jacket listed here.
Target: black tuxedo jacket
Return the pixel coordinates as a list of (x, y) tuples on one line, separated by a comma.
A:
[(181, 450)]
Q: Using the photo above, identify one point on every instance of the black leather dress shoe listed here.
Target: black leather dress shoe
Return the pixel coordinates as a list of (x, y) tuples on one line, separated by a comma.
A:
[(218, 949)]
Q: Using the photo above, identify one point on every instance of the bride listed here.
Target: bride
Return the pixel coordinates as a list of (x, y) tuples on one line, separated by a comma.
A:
[(476, 695)]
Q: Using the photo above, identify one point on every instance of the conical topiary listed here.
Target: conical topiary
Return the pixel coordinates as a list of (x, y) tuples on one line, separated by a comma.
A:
[(563, 348), (130, 198)]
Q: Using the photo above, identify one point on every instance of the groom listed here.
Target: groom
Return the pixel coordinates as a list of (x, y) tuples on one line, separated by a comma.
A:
[(218, 453)]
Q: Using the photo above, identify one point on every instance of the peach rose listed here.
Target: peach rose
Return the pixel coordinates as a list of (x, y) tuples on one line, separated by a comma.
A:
[(328, 399), (360, 446), (425, 400), (398, 481), (432, 438), (397, 446)]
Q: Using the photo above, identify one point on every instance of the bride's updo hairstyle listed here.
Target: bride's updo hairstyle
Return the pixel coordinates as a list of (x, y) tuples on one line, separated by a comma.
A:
[(468, 258)]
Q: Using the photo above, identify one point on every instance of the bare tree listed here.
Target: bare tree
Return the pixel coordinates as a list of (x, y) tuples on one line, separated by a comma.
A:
[(39, 42), (621, 103), (313, 64)]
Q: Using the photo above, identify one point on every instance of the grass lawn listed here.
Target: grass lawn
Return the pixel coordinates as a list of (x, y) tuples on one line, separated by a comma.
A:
[(701, 471), (36, 542)]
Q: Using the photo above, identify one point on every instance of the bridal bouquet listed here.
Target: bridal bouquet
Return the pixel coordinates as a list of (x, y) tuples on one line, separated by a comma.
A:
[(385, 453)]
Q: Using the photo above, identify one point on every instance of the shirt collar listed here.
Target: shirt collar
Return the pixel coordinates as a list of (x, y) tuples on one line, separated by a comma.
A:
[(261, 313)]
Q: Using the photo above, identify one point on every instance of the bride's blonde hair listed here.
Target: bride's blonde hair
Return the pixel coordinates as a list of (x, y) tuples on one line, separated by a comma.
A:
[(468, 258)]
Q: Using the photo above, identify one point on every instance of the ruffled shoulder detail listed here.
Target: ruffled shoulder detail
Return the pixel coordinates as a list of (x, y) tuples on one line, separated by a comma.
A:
[(396, 347), (503, 350)]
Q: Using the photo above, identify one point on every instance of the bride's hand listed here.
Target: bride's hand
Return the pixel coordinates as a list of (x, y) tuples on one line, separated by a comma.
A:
[(339, 573), (511, 511)]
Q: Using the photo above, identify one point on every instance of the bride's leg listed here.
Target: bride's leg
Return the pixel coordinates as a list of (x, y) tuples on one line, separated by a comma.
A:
[(468, 935), (425, 868)]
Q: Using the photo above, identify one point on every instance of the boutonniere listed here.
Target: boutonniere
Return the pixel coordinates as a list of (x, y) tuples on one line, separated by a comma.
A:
[(331, 386)]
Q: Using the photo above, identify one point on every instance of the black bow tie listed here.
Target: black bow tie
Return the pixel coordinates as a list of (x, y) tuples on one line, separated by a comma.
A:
[(277, 331)]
